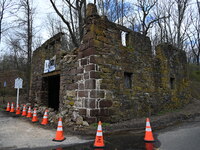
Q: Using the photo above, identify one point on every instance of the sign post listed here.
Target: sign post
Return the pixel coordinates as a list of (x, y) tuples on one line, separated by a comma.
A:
[(18, 85)]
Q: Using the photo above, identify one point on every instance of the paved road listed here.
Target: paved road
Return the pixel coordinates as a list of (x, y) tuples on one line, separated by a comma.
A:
[(18, 133), (182, 137)]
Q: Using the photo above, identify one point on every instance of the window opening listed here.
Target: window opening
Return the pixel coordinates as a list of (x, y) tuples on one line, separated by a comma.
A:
[(128, 80), (172, 81), (123, 38)]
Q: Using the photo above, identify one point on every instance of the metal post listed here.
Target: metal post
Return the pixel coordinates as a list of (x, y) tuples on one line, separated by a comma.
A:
[(17, 96)]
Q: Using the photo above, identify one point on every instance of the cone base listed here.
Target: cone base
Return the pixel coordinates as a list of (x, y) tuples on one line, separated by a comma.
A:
[(44, 123), (35, 121), (59, 140), (12, 111), (18, 113), (149, 141), (99, 146)]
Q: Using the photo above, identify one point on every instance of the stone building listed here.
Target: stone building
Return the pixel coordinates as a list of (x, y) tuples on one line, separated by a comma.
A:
[(112, 76)]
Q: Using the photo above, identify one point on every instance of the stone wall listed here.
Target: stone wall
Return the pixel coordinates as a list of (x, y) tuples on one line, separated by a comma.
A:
[(104, 80), (49, 49)]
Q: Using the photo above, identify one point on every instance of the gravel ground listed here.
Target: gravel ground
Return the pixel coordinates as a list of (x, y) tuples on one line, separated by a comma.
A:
[(18, 133)]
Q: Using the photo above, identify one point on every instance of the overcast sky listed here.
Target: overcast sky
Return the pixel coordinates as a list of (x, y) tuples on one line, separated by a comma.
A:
[(43, 8)]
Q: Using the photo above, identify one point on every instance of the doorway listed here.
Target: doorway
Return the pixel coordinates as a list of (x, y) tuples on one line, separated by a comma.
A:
[(53, 91)]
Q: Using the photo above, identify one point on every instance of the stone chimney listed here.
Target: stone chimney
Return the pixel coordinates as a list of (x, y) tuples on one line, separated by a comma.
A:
[(91, 10)]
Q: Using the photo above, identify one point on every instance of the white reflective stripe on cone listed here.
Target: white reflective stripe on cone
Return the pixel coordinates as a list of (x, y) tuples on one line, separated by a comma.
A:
[(59, 123), (147, 123), (59, 129), (34, 115), (99, 134), (148, 129), (45, 117), (99, 128), (45, 113)]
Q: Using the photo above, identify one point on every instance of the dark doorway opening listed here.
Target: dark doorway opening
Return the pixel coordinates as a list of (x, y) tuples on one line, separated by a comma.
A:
[(53, 91)]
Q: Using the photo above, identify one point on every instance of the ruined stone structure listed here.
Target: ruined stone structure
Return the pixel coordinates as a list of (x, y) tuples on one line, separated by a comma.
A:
[(106, 80)]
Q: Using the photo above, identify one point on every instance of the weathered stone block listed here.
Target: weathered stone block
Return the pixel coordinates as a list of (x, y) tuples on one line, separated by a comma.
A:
[(88, 52), (90, 103), (79, 70), (73, 72), (71, 93), (81, 86), (97, 94), (82, 112), (105, 103), (92, 59), (86, 75), (72, 86), (83, 93), (80, 55), (90, 67), (95, 75), (84, 61), (94, 112), (90, 84)]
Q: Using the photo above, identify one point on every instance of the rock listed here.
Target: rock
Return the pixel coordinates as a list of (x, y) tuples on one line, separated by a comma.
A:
[(28, 104), (85, 123), (36, 105), (64, 112), (74, 115), (79, 120), (51, 109)]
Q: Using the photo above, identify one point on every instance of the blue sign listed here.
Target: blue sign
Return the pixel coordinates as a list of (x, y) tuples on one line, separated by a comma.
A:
[(4, 84)]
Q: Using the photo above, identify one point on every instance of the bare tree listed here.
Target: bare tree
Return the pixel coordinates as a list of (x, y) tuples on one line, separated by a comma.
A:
[(145, 14), (77, 11), (5, 8), (181, 7), (20, 39), (115, 10), (193, 34), (54, 25)]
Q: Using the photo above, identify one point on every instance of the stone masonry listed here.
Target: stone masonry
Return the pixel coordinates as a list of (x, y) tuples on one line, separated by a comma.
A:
[(105, 80)]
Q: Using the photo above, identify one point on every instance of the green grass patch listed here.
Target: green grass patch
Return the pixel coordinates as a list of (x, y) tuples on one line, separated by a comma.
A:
[(168, 111), (103, 124)]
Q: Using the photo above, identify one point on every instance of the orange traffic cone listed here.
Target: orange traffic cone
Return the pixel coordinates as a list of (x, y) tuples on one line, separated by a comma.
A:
[(35, 118), (18, 111), (24, 111), (45, 118), (29, 115), (99, 137), (8, 107), (12, 108), (59, 134), (148, 134)]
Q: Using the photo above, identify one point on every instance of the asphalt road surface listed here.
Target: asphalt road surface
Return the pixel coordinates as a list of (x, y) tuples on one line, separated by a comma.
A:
[(185, 136), (17, 133)]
